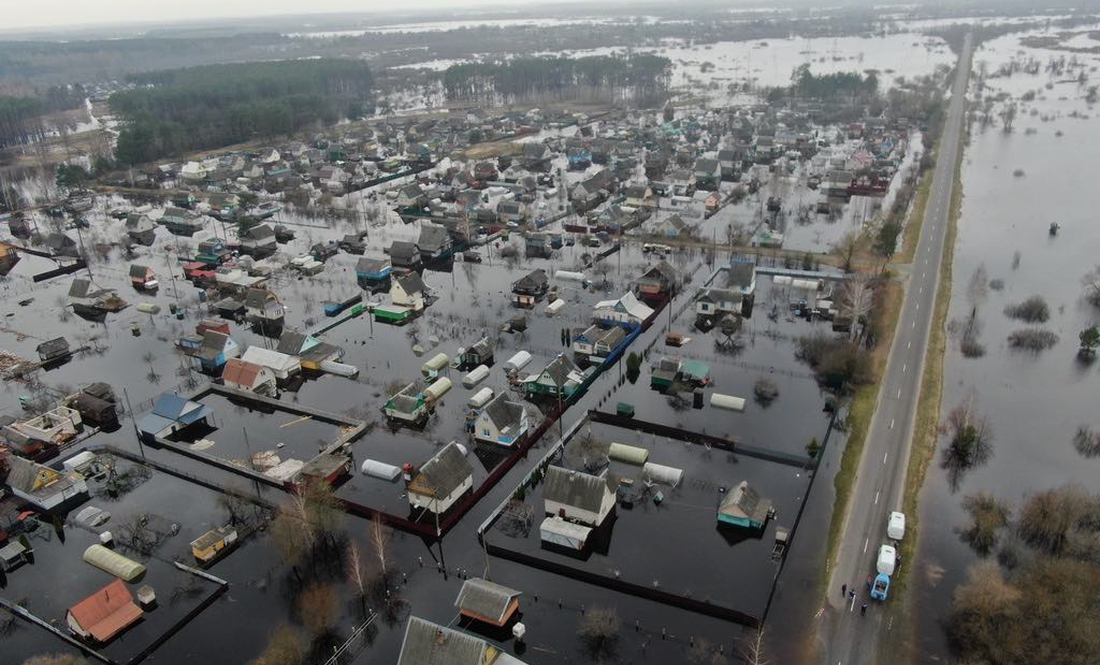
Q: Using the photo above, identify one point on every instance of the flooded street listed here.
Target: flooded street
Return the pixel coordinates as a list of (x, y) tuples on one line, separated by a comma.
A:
[(1015, 186)]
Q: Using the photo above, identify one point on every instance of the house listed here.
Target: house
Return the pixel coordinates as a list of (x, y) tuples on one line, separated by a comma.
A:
[(742, 278), (193, 172), (259, 241), (100, 617), (171, 414), (707, 174), (530, 288), (211, 352), (282, 365), (639, 196), (405, 254), (61, 245), (249, 377), (354, 243), (502, 421), (40, 485), (712, 202), (511, 211), (479, 353), (181, 222), (52, 428), (488, 602), (559, 377), (594, 344), (323, 251), (213, 252), (53, 350), (142, 278), (408, 291), (536, 157), (743, 507), (682, 182), (715, 302), (263, 308), (141, 229), (408, 405), (88, 300), (373, 274), (576, 496), (213, 543), (12, 555), (626, 311), (729, 162), (427, 643), (441, 481), (434, 242), (658, 282), (411, 198), (310, 351)]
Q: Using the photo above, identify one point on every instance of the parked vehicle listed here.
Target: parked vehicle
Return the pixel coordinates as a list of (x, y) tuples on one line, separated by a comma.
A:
[(895, 526), (879, 586)]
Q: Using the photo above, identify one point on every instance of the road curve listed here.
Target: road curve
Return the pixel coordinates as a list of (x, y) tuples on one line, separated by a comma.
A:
[(849, 638)]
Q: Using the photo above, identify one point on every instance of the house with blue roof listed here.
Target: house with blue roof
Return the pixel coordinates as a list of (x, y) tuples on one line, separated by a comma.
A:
[(172, 413)]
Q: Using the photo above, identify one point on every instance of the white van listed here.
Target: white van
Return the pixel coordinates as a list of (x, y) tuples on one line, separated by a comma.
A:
[(895, 526), (887, 560)]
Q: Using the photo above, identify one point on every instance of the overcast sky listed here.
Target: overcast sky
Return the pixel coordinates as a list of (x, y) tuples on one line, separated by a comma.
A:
[(19, 14)]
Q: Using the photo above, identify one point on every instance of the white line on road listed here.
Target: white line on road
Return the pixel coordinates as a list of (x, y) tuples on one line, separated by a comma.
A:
[(891, 423), (876, 498), (904, 366), (909, 344), (914, 324), (884, 456), (899, 393), (920, 290), (865, 544)]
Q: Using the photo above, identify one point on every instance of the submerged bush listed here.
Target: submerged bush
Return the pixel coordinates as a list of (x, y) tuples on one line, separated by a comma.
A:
[(1032, 310), (1032, 339)]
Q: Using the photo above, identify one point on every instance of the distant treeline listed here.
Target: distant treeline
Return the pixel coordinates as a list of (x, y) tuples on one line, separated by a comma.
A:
[(183, 110), (841, 85), (641, 78), (21, 116)]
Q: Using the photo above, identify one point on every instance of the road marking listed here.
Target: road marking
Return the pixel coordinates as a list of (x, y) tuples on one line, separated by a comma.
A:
[(918, 305), (904, 366), (865, 544), (884, 456), (909, 344), (899, 393), (876, 498), (914, 324), (920, 290), (891, 423)]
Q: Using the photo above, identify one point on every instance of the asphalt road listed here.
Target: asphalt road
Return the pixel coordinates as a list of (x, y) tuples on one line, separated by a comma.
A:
[(849, 638)]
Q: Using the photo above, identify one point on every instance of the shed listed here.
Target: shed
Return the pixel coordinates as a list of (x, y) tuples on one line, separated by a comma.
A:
[(475, 376), (434, 365), (376, 469), (487, 601), (12, 555), (665, 475), (480, 398), (555, 307), (209, 545), (557, 531), (438, 389), (114, 563), (628, 454), (720, 401), (104, 614), (517, 362)]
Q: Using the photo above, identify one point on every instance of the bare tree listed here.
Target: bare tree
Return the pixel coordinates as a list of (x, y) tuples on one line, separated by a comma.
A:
[(380, 536), (317, 607), (752, 651), (599, 630), (356, 568), (846, 249), (859, 297), (283, 648)]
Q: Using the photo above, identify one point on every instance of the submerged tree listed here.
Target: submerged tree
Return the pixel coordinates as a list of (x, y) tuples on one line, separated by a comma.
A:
[(284, 647), (971, 442), (599, 630), (988, 518), (1090, 339)]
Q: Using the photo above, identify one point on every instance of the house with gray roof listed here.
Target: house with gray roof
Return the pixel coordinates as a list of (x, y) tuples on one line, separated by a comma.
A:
[(487, 601), (39, 484), (427, 643), (502, 421), (576, 496), (434, 242), (442, 480)]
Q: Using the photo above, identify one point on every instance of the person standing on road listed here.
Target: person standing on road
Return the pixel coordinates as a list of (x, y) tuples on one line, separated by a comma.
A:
[(851, 594), (843, 589), (863, 610)]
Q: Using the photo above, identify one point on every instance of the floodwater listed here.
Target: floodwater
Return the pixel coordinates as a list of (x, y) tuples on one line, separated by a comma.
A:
[(1034, 402)]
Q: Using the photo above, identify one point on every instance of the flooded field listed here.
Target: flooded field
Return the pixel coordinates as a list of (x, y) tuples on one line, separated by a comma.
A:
[(1015, 186)]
